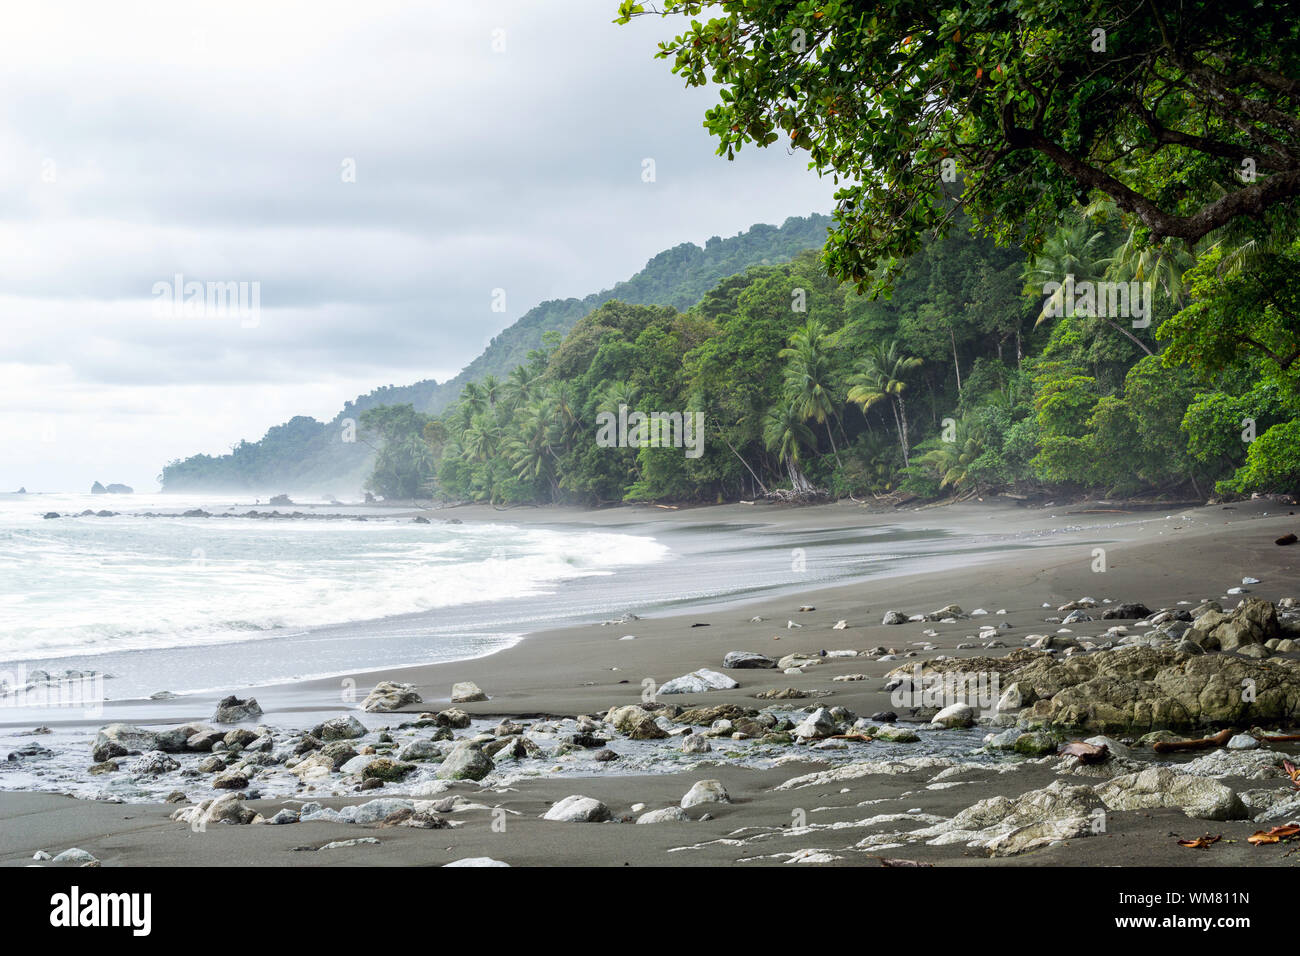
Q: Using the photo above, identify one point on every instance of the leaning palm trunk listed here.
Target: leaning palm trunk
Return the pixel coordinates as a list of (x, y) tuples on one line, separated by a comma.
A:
[(797, 480)]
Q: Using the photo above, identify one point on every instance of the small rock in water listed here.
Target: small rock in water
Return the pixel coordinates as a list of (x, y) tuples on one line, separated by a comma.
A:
[(1243, 742)]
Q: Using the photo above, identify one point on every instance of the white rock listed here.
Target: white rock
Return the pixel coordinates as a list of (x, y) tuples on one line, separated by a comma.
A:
[(705, 791), (697, 682), (578, 809), (476, 861), (465, 692), (666, 815)]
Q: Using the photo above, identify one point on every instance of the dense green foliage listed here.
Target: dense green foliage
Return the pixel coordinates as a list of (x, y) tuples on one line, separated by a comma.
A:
[(1146, 156), (307, 454)]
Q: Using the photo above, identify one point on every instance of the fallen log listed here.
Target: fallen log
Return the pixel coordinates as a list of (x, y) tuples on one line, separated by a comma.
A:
[(1173, 746)]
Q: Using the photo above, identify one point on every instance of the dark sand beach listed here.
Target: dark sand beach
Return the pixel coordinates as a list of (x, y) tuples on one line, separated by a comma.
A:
[(1158, 558)]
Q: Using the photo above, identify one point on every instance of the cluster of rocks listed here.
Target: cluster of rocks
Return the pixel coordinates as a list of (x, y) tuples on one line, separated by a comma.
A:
[(1165, 678)]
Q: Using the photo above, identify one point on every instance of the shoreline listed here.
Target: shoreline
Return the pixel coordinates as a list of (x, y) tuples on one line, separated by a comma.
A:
[(578, 670)]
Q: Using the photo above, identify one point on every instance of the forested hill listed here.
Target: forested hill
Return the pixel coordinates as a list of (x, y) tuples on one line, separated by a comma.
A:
[(304, 454)]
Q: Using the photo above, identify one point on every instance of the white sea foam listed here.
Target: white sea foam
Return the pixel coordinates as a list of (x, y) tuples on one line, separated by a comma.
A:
[(75, 586)]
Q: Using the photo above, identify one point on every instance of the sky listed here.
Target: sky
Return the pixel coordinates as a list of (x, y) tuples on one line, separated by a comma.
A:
[(378, 176)]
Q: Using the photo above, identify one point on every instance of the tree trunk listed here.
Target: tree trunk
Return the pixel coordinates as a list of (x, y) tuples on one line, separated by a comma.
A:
[(902, 428), (955, 364)]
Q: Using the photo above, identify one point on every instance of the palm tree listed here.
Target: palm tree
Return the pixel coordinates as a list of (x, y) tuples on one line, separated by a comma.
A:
[(808, 377), (492, 390), (1073, 251), (481, 439), (952, 461), (520, 386), (472, 401), (785, 433), (880, 377), (531, 449)]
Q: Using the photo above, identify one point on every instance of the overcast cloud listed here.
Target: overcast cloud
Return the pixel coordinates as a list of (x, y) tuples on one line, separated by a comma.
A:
[(143, 140)]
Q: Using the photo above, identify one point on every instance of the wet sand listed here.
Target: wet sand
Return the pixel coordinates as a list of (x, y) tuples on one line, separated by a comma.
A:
[(1188, 556)]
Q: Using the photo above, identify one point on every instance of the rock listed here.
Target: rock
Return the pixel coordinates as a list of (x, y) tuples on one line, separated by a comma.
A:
[(118, 740), (202, 741), (956, 715), (1156, 787), (232, 710), (695, 744), (747, 659), (1035, 744), (389, 696), (698, 682), (666, 815), (897, 735), (230, 780), (283, 817), (482, 861), (103, 767), (346, 727), (466, 692), (420, 750), (453, 717), (797, 662), (1243, 742), (894, 617), (705, 716), (466, 761), (781, 693), (578, 809), (636, 722), (1134, 689), (239, 738), (705, 791), (75, 855), (816, 726), (152, 764), (387, 770), (1127, 611)]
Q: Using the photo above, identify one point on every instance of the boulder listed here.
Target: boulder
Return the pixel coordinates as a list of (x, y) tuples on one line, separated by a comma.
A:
[(152, 764), (389, 696), (737, 660), (666, 815), (1199, 797), (695, 744), (466, 692), (346, 727), (705, 791), (697, 682), (578, 809), (232, 710), (466, 761), (816, 726), (956, 715), (118, 740)]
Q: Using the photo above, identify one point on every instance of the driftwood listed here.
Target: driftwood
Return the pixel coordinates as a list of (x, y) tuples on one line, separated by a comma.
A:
[(1172, 746), (1086, 752)]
